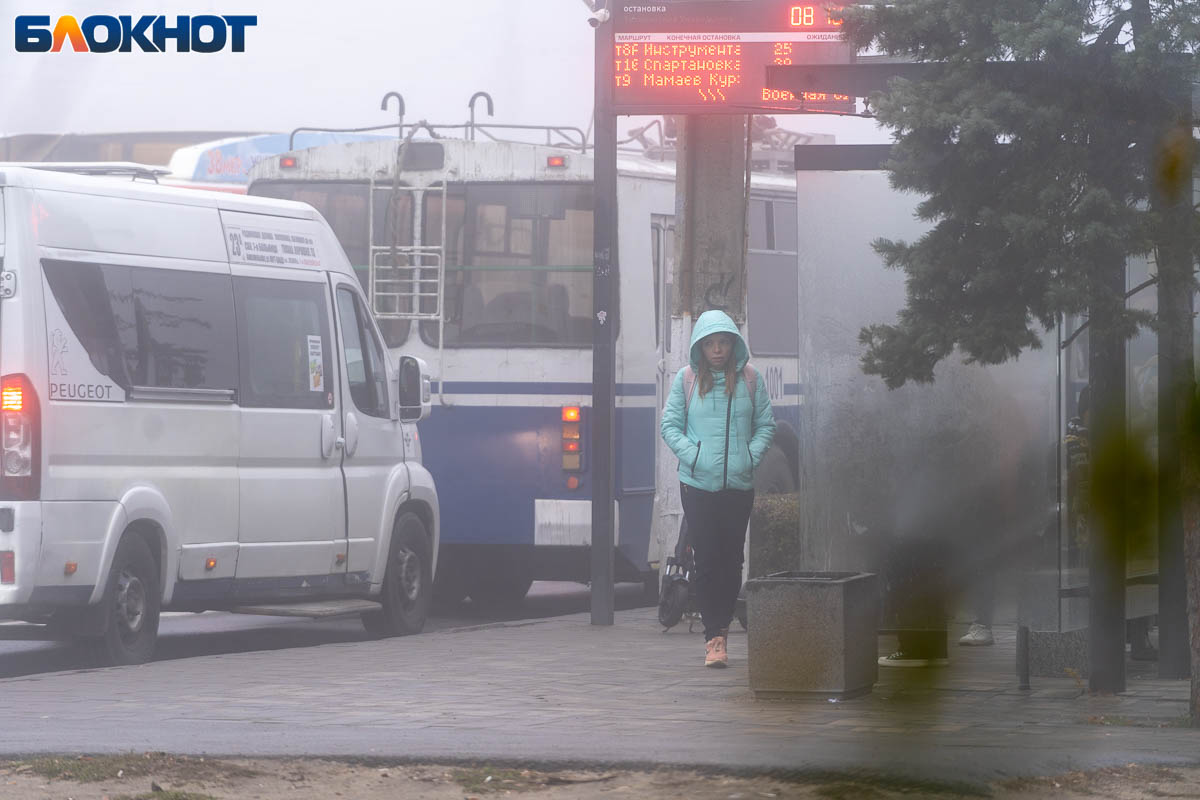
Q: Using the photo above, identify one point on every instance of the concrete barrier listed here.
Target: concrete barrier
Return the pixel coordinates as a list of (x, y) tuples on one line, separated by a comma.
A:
[(812, 633)]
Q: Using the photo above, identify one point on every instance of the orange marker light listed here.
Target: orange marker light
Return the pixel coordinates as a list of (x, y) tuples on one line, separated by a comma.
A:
[(70, 567), (12, 399), (573, 482), (569, 413), (570, 446), (556, 162), (210, 564), (287, 162)]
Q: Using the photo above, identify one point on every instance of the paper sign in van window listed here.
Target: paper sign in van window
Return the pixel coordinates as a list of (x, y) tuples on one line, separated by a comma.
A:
[(268, 247), (316, 368)]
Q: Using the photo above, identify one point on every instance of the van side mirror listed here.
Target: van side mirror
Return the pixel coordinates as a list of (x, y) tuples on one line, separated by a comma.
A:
[(414, 394)]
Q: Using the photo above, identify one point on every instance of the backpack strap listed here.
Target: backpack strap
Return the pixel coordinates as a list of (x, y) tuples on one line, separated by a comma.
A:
[(750, 376), (689, 386)]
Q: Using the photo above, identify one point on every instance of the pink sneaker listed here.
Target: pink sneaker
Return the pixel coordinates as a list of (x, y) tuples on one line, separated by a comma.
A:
[(714, 652)]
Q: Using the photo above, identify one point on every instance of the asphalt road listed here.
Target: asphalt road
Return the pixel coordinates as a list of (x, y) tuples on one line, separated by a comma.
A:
[(185, 635)]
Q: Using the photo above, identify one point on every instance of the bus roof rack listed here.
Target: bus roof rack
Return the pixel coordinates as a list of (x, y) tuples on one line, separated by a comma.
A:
[(129, 168), (565, 136)]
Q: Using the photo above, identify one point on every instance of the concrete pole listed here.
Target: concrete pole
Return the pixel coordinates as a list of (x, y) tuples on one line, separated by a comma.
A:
[(710, 221)]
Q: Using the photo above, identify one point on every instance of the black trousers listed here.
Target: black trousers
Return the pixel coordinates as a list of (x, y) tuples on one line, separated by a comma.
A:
[(717, 530)]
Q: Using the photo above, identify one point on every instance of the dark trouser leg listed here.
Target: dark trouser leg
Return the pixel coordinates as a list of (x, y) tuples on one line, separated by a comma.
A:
[(917, 586), (984, 589), (735, 513), (717, 530)]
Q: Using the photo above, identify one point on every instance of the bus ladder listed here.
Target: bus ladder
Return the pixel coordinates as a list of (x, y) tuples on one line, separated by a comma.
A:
[(405, 281)]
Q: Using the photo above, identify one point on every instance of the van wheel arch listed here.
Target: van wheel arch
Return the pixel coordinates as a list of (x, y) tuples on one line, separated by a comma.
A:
[(155, 538), (423, 511)]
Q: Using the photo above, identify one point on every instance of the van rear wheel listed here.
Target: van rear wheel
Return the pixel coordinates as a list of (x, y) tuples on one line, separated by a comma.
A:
[(130, 606), (407, 582)]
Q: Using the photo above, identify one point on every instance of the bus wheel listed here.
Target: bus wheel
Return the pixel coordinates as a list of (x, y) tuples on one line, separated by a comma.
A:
[(502, 588), (407, 582), (450, 586), (651, 588), (130, 606)]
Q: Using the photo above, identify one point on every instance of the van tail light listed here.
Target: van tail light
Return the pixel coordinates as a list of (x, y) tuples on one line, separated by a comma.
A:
[(572, 440), (20, 438), (8, 567)]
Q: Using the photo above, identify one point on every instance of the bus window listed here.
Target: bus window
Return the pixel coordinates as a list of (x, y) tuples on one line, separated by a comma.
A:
[(760, 226), (772, 282), (344, 204), (518, 264)]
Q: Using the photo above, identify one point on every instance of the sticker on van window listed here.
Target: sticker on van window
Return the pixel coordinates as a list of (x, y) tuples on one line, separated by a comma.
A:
[(316, 365), (272, 248), (72, 374)]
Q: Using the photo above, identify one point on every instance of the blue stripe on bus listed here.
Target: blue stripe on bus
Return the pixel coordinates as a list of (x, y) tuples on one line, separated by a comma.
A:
[(491, 462), (531, 387)]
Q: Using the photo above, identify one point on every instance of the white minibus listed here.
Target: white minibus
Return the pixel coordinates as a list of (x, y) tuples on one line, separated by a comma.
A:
[(197, 411)]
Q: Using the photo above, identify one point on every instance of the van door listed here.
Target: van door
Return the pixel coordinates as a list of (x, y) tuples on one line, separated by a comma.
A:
[(292, 526), (374, 450)]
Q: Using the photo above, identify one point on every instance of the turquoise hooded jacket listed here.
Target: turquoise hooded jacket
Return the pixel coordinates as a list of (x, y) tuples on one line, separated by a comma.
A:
[(723, 442)]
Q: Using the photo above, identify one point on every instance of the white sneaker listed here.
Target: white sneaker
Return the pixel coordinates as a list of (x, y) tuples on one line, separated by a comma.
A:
[(977, 635), (900, 659)]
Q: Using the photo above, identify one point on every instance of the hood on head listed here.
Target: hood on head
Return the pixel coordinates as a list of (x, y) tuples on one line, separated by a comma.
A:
[(717, 322)]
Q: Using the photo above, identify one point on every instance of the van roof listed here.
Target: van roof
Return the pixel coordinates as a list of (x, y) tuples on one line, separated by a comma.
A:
[(125, 187)]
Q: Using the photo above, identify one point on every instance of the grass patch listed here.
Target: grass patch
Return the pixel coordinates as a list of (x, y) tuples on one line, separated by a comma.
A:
[(489, 779), (92, 769), (868, 785), (1184, 721), (848, 790), (168, 794), (1101, 782)]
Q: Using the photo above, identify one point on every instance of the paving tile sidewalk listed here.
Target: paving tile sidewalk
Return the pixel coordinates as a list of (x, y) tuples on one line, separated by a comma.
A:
[(561, 690)]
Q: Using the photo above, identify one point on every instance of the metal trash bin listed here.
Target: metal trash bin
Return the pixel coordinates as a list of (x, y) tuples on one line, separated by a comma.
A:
[(812, 633)]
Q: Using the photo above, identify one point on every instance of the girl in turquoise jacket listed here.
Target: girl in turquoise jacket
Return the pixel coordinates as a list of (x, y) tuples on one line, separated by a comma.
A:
[(718, 422)]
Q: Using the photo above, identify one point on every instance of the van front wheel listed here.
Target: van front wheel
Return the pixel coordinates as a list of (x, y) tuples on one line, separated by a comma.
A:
[(130, 606), (407, 582)]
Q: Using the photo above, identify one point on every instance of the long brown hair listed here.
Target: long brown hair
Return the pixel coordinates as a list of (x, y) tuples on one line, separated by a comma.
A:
[(706, 375)]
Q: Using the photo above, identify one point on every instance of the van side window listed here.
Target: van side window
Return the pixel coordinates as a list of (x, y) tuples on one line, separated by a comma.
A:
[(365, 366), (97, 301), (185, 338), (284, 343), (162, 328)]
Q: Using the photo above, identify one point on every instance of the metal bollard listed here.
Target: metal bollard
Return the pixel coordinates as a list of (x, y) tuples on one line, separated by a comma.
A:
[(1022, 657)]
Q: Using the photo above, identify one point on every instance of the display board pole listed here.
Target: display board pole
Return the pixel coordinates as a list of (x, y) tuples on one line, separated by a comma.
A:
[(604, 329)]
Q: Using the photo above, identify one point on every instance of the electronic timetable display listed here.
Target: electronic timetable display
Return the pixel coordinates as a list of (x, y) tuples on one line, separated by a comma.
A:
[(710, 56)]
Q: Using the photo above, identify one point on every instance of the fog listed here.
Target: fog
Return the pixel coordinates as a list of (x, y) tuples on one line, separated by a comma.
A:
[(313, 63)]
